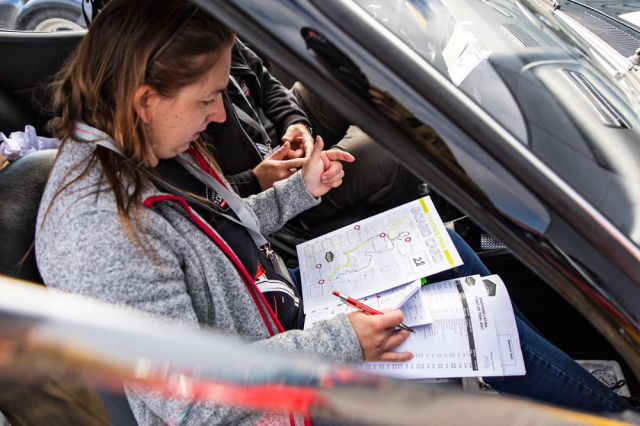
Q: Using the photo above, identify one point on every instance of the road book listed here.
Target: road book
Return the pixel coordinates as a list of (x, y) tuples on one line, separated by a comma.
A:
[(473, 334), (463, 327), (376, 254)]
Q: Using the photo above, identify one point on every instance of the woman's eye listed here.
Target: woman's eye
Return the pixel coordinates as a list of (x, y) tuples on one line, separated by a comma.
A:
[(207, 103)]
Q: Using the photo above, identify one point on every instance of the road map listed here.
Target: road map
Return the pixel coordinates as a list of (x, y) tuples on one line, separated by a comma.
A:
[(384, 251)]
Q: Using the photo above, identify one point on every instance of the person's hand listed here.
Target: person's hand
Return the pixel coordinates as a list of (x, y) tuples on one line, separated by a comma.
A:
[(376, 336), (323, 170), (388, 105), (300, 139), (275, 168)]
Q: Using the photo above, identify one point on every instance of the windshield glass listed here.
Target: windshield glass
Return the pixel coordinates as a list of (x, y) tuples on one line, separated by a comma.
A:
[(545, 86)]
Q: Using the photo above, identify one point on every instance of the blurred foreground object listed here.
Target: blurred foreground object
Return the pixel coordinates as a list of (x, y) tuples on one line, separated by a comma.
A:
[(65, 340)]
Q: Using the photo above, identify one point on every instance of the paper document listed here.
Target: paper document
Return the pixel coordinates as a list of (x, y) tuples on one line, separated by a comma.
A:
[(464, 338), (506, 329), (376, 254), (406, 297)]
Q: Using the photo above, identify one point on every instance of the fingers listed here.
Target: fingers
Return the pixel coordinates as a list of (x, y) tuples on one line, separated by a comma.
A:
[(295, 153), (280, 153), (333, 173), (339, 155), (390, 320), (290, 134), (334, 181), (317, 149), (395, 340), (377, 337), (396, 356), (293, 164)]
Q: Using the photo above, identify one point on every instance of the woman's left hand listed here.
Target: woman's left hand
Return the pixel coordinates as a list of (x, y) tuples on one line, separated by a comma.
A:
[(323, 170)]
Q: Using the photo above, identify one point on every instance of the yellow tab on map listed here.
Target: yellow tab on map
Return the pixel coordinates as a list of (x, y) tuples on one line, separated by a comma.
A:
[(449, 258), (424, 205)]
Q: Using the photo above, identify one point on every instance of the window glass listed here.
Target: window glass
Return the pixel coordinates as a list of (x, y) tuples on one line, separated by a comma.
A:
[(457, 45), (541, 82)]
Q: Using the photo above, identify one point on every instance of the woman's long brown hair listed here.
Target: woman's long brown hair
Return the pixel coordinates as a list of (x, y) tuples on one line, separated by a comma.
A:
[(97, 86)]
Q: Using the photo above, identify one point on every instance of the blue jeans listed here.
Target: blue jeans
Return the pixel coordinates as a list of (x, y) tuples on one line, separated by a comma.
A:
[(552, 376)]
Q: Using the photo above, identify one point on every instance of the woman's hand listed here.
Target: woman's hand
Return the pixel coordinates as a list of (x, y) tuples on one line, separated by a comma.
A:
[(323, 170), (377, 337)]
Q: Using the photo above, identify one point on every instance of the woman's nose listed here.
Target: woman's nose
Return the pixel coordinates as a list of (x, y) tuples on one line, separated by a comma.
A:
[(218, 116)]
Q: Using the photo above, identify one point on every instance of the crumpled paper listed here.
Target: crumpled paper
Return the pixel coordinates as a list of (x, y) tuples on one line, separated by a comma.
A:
[(23, 143)]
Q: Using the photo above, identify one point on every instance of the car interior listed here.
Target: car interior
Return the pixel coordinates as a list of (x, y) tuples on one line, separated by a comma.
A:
[(31, 59)]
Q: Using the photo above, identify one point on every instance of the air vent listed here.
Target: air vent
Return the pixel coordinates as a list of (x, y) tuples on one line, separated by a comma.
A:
[(524, 37), (623, 40)]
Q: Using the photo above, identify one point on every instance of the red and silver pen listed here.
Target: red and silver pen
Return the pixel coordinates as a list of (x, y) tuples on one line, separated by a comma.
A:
[(364, 308)]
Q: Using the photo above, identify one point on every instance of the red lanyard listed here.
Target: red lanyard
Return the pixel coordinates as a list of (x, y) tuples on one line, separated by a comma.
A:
[(248, 281), (204, 164)]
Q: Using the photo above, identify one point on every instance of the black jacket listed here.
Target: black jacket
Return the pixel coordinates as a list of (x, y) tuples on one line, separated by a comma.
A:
[(236, 143)]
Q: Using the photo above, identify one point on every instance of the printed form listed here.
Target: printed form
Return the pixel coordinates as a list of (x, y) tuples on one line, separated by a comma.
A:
[(473, 334), (406, 297), (376, 254)]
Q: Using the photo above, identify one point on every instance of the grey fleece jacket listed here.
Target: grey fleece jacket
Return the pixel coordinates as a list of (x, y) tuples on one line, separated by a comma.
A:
[(81, 247)]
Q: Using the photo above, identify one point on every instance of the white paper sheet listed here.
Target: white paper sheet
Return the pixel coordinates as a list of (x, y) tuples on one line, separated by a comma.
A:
[(463, 339), (469, 60), (462, 35), (407, 298), (506, 329), (376, 254)]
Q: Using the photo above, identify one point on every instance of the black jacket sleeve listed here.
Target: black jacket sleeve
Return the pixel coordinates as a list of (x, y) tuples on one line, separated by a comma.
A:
[(276, 101), (244, 184)]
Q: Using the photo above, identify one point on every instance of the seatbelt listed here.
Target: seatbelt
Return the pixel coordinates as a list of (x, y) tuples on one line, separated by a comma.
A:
[(247, 119), (246, 219), (91, 134)]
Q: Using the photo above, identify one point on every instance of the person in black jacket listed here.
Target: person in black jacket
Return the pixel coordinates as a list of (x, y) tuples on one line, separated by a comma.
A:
[(261, 115), (267, 134)]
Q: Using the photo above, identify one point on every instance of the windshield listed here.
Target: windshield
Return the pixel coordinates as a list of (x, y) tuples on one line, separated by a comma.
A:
[(539, 83)]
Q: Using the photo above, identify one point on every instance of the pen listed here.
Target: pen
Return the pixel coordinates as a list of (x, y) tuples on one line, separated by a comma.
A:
[(364, 308)]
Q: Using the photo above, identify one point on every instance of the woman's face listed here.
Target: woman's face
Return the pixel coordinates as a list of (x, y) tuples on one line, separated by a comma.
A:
[(175, 122)]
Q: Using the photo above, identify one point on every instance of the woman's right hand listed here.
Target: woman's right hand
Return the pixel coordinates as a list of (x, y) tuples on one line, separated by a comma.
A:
[(377, 337), (323, 170)]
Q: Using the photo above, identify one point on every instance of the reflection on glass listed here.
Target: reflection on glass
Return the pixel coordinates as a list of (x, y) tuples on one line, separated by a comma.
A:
[(453, 43), (422, 135), (554, 97)]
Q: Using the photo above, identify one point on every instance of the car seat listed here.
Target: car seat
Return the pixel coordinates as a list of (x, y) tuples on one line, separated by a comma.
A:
[(21, 187), (22, 183)]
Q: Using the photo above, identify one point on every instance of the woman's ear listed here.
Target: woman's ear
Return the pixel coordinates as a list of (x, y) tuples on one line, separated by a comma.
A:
[(143, 100)]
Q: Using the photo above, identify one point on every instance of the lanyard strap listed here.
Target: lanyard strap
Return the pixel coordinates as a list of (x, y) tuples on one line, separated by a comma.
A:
[(268, 316), (88, 133), (247, 220), (246, 118)]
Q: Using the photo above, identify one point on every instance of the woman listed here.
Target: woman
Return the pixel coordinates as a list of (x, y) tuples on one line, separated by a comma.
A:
[(146, 79)]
